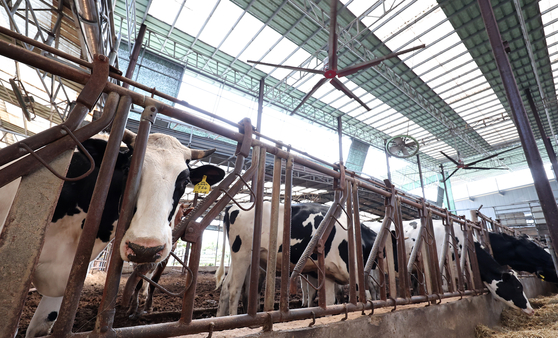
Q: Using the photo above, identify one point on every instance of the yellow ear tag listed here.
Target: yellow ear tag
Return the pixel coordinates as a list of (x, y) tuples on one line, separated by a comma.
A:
[(202, 187)]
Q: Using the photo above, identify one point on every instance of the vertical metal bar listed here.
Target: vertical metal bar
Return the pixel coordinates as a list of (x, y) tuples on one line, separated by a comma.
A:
[(532, 155), (105, 317), (269, 299), (547, 144), (260, 107), (445, 186), (404, 281), (23, 237), (420, 176), (91, 226), (191, 279), (387, 161), (254, 296), (322, 302), (351, 246), (135, 54), (358, 240), (286, 263)]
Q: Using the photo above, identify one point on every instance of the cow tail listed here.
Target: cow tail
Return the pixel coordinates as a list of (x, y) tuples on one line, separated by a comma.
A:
[(220, 273)]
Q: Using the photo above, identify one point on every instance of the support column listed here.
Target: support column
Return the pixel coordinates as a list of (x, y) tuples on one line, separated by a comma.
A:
[(542, 185)]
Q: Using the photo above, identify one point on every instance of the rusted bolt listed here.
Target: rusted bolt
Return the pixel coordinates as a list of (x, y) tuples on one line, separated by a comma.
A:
[(102, 58), (63, 132), (190, 229), (104, 329), (153, 109)]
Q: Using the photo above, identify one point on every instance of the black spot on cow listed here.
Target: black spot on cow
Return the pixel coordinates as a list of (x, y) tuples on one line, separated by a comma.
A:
[(233, 216), (317, 221), (413, 239), (52, 316), (77, 195), (180, 184), (344, 252), (237, 243), (280, 248)]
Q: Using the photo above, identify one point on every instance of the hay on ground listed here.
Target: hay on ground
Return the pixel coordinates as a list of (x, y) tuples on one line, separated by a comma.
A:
[(515, 324)]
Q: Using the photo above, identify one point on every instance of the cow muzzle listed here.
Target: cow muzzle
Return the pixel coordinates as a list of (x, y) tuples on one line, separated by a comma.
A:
[(140, 254)]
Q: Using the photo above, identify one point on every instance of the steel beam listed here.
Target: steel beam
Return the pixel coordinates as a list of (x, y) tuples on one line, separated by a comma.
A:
[(532, 155)]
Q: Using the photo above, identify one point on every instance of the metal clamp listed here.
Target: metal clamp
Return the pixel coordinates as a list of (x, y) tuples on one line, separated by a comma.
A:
[(346, 312), (371, 303), (313, 319), (46, 165), (394, 304), (211, 327)]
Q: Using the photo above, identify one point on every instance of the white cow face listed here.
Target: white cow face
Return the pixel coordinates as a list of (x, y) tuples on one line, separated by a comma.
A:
[(163, 181)]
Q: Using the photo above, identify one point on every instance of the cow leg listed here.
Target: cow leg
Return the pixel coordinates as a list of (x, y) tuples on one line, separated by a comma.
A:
[(236, 281), (223, 308), (44, 317)]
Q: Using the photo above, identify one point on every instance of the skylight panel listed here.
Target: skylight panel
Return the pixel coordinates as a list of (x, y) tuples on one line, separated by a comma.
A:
[(547, 17), (193, 15), (221, 23), (241, 35), (261, 44)]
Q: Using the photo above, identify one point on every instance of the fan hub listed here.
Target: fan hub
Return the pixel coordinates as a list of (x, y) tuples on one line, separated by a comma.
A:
[(330, 74)]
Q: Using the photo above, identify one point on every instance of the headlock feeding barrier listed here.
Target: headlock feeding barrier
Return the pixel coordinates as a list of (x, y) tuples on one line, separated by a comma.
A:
[(53, 148)]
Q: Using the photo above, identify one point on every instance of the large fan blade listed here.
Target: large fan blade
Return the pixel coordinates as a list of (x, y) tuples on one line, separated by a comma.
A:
[(485, 168), (447, 178), (355, 68), (449, 158), (340, 86), (309, 70), (332, 52), (305, 98), (404, 151), (491, 156), (394, 149)]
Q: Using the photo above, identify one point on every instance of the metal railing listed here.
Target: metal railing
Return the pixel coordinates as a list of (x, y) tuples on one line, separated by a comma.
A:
[(395, 280)]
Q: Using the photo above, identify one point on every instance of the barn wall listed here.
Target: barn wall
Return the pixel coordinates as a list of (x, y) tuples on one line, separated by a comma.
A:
[(456, 319)]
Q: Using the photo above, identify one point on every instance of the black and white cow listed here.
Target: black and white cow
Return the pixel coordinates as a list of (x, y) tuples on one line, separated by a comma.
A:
[(523, 255), (305, 220), (502, 282), (148, 239)]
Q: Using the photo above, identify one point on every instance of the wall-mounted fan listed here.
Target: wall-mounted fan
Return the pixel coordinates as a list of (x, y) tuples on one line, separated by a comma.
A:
[(402, 146), (461, 164), (330, 71)]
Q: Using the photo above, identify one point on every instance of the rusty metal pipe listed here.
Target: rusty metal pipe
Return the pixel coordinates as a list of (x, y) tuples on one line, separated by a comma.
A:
[(358, 239), (254, 295), (351, 246), (105, 317), (91, 226), (286, 253), (91, 92), (231, 322), (135, 54), (269, 299)]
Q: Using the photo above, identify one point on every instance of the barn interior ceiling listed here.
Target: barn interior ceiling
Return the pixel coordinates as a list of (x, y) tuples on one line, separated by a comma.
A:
[(448, 96)]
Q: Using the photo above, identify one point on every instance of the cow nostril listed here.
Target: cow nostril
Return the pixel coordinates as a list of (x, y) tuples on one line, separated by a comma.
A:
[(141, 254)]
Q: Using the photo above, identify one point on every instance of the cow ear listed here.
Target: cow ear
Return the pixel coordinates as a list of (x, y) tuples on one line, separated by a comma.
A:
[(214, 174)]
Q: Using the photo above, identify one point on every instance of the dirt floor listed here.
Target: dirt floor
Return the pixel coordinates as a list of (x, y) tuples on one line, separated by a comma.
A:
[(515, 324), (165, 308)]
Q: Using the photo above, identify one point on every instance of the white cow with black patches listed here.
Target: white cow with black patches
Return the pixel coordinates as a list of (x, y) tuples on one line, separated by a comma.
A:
[(305, 220), (148, 238)]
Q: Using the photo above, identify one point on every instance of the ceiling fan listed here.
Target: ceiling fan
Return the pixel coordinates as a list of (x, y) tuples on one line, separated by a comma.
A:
[(461, 165), (330, 71)]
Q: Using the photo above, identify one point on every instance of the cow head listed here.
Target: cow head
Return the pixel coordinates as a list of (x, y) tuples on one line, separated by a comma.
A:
[(165, 175), (509, 290)]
